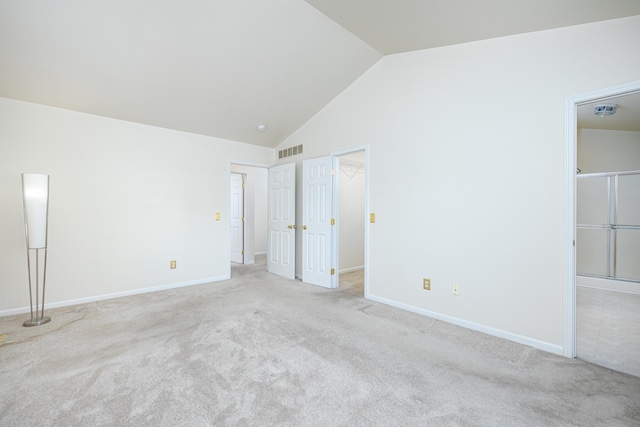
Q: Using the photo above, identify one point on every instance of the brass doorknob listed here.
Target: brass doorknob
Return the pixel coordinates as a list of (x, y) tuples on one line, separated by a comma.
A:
[(304, 227), (289, 226)]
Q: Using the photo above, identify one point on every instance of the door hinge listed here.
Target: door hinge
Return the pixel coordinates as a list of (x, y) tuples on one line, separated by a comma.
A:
[(333, 221), (333, 271), (242, 219), (243, 185), (242, 253)]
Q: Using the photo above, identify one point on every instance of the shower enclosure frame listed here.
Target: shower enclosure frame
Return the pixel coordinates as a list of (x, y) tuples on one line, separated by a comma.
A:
[(612, 226)]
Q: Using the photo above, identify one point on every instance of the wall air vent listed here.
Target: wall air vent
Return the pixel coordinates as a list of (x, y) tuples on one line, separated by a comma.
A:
[(605, 110), (291, 151)]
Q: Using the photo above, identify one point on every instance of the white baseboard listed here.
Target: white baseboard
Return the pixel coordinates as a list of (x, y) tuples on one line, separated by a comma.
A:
[(608, 285), (540, 345), (348, 270), (259, 253), (67, 303)]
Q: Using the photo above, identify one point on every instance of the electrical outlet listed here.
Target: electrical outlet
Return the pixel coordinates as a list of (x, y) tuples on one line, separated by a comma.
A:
[(172, 264), (426, 284), (456, 290)]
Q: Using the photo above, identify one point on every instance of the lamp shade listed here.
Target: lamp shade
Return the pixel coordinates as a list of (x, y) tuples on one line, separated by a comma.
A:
[(35, 193)]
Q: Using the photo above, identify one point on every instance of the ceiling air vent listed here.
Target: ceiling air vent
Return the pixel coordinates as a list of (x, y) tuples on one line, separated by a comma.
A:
[(291, 151), (605, 110)]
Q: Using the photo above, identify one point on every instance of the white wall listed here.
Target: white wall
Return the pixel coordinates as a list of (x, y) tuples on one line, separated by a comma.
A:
[(480, 128), (608, 150), (125, 200), (351, 218)]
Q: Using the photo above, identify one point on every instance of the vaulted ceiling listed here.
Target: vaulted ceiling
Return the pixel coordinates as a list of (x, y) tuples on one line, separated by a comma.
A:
[(221, 68)]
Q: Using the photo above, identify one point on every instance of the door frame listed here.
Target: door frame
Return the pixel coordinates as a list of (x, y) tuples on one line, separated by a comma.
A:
[(367, 224), (570, 166)]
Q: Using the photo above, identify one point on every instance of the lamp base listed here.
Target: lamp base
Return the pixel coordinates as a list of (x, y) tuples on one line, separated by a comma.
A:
[(37, 322)]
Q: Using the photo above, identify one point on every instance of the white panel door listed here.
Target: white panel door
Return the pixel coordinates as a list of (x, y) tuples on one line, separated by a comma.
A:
[(281, 245), (317, 228), (237, 217)]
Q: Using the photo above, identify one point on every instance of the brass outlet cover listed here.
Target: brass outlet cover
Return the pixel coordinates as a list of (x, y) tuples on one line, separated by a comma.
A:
[(426, 284), (172, 264), (218, 216), (372, 218)]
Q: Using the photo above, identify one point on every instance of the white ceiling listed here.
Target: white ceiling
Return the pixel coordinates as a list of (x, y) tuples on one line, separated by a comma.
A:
[(393, 26), (220, 68)]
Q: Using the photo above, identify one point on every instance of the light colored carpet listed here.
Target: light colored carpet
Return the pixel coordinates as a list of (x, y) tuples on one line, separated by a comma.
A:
[(259, 350)]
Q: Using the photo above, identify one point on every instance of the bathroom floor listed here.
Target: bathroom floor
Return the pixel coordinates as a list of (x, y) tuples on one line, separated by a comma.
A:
[(608, 329)]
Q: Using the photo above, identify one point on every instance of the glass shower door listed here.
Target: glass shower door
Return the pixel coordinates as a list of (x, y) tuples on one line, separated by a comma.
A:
[(628, 227), (608, 226), (593, 230)]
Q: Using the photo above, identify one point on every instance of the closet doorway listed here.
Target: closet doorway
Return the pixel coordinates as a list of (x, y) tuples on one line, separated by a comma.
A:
[(352, 215), (247, 213)]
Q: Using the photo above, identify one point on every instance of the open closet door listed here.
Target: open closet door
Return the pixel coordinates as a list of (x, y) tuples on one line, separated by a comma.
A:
[(237, 218), (281, 245), (318, 223)]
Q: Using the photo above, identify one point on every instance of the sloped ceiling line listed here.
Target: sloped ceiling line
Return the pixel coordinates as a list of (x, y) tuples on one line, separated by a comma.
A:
[(220, 68)]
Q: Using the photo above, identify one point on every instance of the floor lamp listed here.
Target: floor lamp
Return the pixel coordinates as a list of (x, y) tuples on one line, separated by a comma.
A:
[(35, 196)]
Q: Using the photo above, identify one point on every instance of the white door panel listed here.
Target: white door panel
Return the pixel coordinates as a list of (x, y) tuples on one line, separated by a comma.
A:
[(317, 214), (237, 218), (281, 245)]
